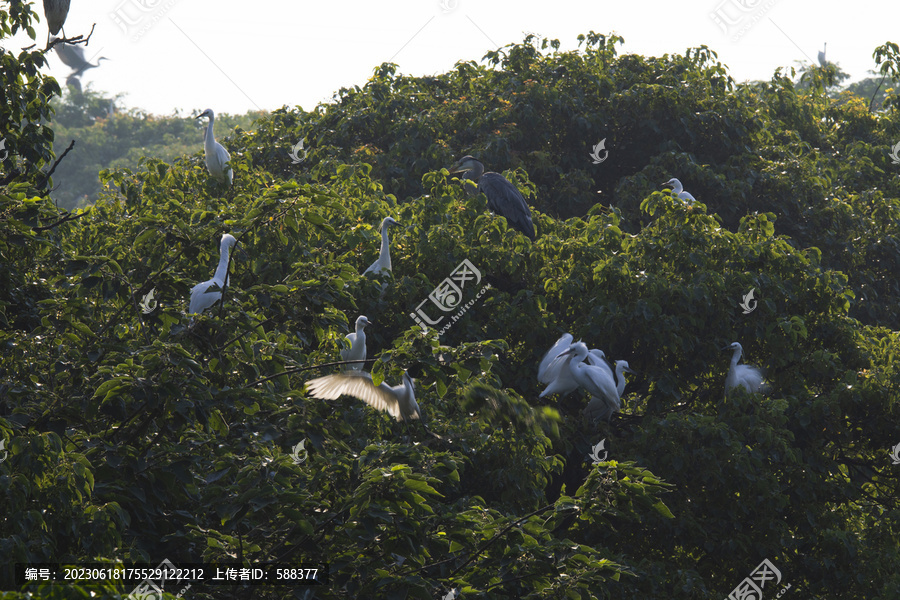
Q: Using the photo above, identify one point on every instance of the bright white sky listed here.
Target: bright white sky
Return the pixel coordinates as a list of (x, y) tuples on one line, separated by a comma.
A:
[(233, 56)]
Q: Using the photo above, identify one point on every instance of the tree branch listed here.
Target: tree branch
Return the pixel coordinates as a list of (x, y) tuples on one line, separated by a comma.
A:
[(53, 168)]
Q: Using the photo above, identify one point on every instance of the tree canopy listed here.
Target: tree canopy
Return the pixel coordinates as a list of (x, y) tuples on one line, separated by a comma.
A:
[(137, 435)]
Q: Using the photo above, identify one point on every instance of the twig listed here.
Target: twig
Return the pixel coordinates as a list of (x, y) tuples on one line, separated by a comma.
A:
[(53, 168), (78, 39), (298, 369), (875, 93), (68, 217)]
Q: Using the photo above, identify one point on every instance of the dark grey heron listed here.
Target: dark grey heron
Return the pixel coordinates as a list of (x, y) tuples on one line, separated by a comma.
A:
[(217, 156), (822, 61), (73, 56), (56, 11), (74, 82), (503, 197)]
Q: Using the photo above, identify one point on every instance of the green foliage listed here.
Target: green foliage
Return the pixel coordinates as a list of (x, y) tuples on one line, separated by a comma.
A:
[(141, 436)]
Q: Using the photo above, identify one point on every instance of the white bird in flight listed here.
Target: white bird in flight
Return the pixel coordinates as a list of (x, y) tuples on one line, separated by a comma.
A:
[(216, 154), (398, 401), (750, 378), (678, 190), (384, 256), (357, 349), (204, 295)]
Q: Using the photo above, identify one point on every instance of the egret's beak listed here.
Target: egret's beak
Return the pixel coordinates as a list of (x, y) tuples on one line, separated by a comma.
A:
[(628, 370), (664, 183), (725, 348)]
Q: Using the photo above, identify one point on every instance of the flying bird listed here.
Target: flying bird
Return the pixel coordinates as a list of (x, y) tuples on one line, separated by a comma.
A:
[(384, 255), (750, 378), (678, 190), (73, 57), (204, 295), (398, 401), (503, 197), (216, 154), (357, 348)]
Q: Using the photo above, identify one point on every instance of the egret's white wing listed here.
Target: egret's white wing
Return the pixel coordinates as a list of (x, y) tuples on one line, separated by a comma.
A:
[(359, 385), (598, 383), (596, 358), (204, 295), (561, 345)]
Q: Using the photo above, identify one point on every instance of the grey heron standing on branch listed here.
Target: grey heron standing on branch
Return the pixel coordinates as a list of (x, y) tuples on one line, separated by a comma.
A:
[(822, 61), (55, 11), (503, 197)]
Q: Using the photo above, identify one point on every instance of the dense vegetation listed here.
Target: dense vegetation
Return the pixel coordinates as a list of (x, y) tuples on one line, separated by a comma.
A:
[(137, 437)]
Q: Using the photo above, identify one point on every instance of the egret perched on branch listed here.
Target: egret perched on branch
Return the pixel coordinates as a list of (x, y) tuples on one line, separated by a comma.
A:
[(216, 154), (822, 61), (384, 256), (204, 295), (597, 381), (357, 349), (678, 190), (604, 407), (398, 401), (56, 12), (503, 197), (554, 368), (750, 378)]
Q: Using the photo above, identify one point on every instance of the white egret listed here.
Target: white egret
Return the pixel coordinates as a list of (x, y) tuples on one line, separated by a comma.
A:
[(822, 61), (204, 295), (604, 407), (750, 378), (596, 380), (56, 11), (678, 190), (503, 197), (555, 372), (398, 401), (384, 256), (216, 154), (357, 349)]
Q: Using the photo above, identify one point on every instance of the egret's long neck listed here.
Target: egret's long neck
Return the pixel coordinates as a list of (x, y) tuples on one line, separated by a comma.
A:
[(620, 376), (736, 357), (223, 263), (210, 140), (385, 253), (677, 188), (360, 331)]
